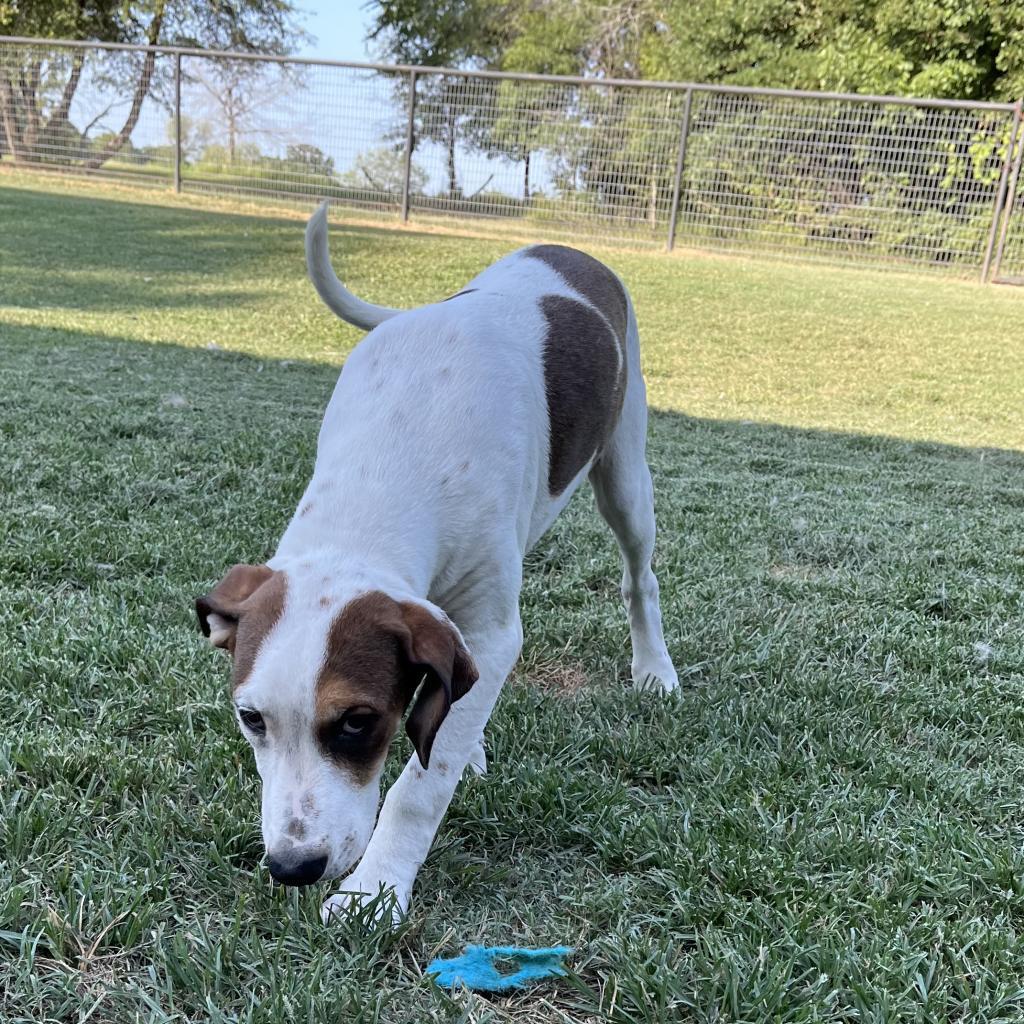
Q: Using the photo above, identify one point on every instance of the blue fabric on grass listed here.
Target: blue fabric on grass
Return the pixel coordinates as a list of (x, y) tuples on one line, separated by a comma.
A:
[(475, 968)]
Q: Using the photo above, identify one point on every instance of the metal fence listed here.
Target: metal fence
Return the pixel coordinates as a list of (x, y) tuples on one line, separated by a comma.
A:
[(857, 179)]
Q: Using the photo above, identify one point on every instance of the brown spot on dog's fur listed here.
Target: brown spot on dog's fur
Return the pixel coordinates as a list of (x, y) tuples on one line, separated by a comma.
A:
[(591, 279), (585, 381), (296, 829), (325, 602), (378, 651), (250, 598), (306, 509)]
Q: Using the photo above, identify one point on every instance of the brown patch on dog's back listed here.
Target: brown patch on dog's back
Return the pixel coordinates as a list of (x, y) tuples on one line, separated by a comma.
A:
[(585, 379), (591, 279)]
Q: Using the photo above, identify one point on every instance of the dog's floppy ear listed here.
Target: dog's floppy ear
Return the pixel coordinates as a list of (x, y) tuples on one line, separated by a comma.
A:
[(435, 648), (218, 610)]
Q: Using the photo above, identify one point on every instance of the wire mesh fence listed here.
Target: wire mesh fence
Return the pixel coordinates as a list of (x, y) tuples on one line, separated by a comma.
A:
[(868, 180)]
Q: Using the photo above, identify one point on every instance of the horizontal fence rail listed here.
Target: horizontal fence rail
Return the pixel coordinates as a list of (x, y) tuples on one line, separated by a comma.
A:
[(869, 180)]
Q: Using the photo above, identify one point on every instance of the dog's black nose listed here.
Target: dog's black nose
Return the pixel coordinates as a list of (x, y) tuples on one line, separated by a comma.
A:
[(297, 872)]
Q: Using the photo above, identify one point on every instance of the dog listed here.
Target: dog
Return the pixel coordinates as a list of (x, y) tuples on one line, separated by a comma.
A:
[(455, 435)]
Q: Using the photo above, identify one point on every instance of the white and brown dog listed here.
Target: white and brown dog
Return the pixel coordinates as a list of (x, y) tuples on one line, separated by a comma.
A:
[(456, 434)]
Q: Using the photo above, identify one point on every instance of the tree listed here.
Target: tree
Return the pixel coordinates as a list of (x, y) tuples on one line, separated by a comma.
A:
[(235, 92), (383, 170), (37, 90), (911, 47), (950, 48), (195, 137), (568, 37), (446, 33), (36, 94), (311, 159), (599, 142)]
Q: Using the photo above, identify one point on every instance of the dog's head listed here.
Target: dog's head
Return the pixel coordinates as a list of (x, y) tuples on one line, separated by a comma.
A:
[(319, 685)]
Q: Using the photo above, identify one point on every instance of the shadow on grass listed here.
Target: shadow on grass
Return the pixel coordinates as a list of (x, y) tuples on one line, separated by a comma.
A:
[(207, 427)]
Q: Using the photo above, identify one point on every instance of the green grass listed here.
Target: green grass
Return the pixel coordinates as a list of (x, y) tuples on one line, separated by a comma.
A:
[(826, 825)]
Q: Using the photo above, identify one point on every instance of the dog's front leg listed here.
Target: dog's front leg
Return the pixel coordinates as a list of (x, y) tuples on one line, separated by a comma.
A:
[(416, 803)]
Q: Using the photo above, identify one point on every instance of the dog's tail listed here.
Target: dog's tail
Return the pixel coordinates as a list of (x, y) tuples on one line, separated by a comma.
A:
[(335, 295)]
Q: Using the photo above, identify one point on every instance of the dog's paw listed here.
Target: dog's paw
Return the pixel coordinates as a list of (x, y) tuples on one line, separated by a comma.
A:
[(657, 678), (370, 903)]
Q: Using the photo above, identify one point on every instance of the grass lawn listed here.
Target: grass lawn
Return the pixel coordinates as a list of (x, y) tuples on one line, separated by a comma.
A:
[(827, 824)]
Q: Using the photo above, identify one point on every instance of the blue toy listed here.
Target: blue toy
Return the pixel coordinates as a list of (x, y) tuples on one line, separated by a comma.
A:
[(475, 968)]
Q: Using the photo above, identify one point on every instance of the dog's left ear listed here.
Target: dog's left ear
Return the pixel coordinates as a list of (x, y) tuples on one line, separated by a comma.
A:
[(433, 647), (218, 611)]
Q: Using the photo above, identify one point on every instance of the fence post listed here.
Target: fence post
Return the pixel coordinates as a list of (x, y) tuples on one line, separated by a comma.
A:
[(677, 184), (1001, 191), (409, 144), (177, 122), (1011, 196)]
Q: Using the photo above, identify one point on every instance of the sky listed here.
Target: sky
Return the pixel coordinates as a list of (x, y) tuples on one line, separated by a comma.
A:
[(339, 27)]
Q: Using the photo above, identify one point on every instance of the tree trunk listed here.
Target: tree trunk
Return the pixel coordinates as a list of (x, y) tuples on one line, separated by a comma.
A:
[(8, 115), (29, 88), (60, 116), (652, 210), (19, 111), (141, 92), (229, 105), (452, 184)]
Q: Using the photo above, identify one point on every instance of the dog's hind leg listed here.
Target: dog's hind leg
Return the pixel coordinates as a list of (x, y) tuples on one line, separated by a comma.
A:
[(625, 497)]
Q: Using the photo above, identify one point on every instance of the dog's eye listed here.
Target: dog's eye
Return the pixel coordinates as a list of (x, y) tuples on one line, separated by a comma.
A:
[(357, 723), (350, 735), (252, 720)]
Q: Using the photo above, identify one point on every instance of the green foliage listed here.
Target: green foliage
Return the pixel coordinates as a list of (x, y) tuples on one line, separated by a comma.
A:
[(449, 33), (547, 41), (262, 26), (918, 48), (64, 19), (972, 50)]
